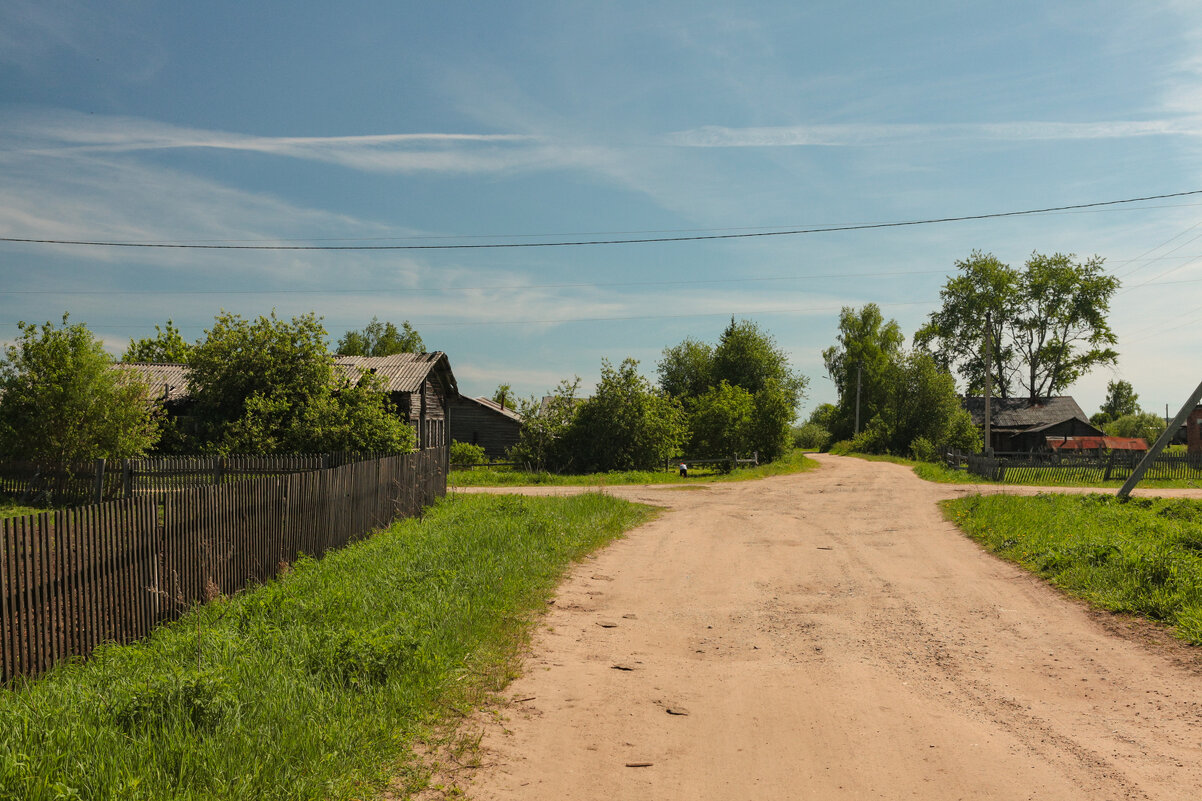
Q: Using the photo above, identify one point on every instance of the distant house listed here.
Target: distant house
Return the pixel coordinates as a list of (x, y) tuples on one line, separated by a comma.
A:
[(420, 385), (484, 422), (1020, 424)]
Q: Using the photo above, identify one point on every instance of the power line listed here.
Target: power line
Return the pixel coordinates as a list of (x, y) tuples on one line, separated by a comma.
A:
[(581, 243)]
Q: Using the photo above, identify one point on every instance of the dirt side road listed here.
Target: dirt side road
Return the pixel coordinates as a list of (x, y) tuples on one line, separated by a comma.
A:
[(829, 636)]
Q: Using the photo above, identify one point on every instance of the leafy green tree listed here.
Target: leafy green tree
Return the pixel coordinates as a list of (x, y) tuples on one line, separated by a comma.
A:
[(1121, 400), (61, 401), (467, 454), (749, 358), (746, 358), (167, 346), (381, 339), (721, 420), (1049, 322), (955, 333), (626, 425), (1140, 424), (268, 386), (866, 350), (685, 371), (542, 444), (921, 415), (503, 396)]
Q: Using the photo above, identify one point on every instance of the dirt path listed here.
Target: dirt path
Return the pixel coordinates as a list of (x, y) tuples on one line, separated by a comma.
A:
[(828, 636)]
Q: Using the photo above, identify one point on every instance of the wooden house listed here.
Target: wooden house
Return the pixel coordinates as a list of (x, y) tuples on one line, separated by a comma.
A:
[(420, 385), (1022, 424), (484, 422)]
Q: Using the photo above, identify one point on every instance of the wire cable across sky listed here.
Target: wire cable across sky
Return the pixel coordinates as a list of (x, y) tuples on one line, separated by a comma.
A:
[(593, 242)]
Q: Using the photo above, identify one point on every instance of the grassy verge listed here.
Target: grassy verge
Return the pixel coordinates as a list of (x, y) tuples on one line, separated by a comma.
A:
[(794, 462), (943, 474), (1144, 556), (313, 686)]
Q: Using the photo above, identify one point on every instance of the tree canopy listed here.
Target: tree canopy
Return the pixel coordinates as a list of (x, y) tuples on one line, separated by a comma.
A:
[(61, 401), (381, 339), (746, 359), (268, 386), (627, 424), (1049, 322), (866, 347), (1121, 401), (167, 346)]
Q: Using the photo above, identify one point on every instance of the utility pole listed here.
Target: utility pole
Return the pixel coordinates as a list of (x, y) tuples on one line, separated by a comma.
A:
[(1161, 441), (988, 382), (859, 371)]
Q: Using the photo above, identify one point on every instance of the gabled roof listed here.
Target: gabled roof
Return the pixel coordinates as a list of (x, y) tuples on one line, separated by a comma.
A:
[(168, 382), (493, 406), (402, 372), (1022, 413)]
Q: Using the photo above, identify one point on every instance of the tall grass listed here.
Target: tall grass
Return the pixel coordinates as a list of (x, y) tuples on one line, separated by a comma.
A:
[(1143, 556), (313, 686), (793, 462)]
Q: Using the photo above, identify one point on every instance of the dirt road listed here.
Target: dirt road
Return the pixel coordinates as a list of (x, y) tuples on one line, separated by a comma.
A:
[(829, 636)]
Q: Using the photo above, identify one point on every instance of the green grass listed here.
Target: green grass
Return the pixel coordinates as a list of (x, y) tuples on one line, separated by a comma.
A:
[(1142, 557), (314, 686), (10, 508), (794, 462)]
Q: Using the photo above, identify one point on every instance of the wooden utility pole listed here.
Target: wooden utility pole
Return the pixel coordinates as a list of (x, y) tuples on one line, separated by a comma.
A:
[(988, 382), (1161, 442), (859, 371)]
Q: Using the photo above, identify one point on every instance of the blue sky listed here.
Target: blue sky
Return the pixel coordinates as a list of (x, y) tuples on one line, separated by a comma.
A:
[(370, 123)]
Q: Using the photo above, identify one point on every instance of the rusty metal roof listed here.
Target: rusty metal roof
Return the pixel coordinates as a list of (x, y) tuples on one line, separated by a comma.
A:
[(403, 372), (1097, 443)]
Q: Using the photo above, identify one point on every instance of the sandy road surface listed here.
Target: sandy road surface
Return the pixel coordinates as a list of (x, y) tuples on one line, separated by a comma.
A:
[(828, 636)]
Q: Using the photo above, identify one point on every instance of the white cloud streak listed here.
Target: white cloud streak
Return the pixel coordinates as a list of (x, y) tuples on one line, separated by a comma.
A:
[(62, 133), (865, 135)]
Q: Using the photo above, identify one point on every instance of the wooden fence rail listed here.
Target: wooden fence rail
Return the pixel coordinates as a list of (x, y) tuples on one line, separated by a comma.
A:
[(1056, 467), (111, 572)]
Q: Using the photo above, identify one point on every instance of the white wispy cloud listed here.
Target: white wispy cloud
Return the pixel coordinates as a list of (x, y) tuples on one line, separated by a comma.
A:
[(853, 135), (50, 133)]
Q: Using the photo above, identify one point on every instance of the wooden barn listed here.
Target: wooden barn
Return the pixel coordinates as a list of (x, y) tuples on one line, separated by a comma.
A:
[(484, 422), (1024, 425)]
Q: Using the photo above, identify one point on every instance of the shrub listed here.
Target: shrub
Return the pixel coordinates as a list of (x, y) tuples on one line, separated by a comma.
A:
[(464, 453)]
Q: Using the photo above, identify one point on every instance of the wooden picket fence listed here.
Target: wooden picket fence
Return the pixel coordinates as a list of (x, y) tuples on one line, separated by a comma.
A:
[(1056, 468), (110, 572), (101, 480)]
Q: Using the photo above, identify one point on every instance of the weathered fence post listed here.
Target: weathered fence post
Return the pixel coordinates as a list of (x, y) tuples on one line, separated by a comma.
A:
[(127, 479), (98, 495)]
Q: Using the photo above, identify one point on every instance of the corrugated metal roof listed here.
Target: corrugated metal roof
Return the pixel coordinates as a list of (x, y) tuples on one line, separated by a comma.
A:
[(493, 406), (1097, 443), (168, 382), (1022, 413), (403, 372)]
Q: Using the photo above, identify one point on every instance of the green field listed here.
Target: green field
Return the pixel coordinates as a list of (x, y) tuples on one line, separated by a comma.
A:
[(314, 686), (1143, 556), (794, 462)]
